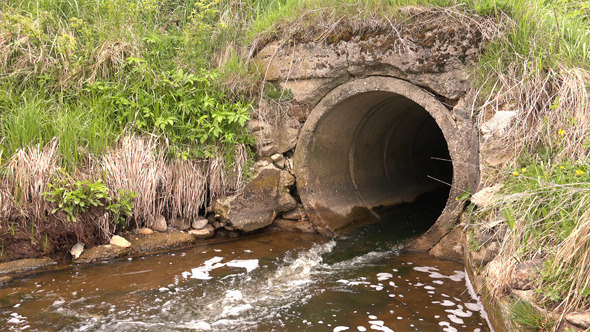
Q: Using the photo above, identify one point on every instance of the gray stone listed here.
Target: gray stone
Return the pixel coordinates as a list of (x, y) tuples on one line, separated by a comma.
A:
[(100, 253), (180, 223), (262, 199), (279, 160), (217, 224), (206, 233), (276, 138), (580, 319), (117, 240), (525, 274), (450, 246), (200, 223), (77, 249), (22, 265), (159, 223), (4, 280)]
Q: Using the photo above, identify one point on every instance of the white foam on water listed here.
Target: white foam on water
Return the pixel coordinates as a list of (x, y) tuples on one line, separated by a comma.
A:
[(361, 328), (382, 276), (341, 328), (249, 264)]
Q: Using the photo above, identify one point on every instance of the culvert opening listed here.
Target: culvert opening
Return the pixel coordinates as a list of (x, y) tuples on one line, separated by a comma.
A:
[(370, 149)]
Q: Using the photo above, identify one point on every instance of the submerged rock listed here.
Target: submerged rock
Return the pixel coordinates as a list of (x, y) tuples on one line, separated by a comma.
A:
[(293, 225), (160, 241), (117, 240), (104, 252), (76, 250), (262, 199), (25, 265)]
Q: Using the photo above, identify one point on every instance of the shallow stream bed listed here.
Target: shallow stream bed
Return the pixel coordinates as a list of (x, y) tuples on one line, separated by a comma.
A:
[(268, 282)]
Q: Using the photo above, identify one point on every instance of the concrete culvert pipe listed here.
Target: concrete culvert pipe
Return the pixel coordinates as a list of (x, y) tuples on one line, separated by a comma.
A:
[(375, 143)]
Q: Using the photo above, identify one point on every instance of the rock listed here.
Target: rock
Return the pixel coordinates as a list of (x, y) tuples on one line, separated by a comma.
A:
[(145, 231), (160, 223), (5, 280), (293, 225), (229, 227), (181, 224), (279, 160), (486, 197), (200, 223), (117, 240), (495, 274), (450, 246), (276, 138), (217, 224), (160, 241), (261, 200), (580, 319), (103, 252), (497, 125), (205, 233), (76, 250), (427, 53), (294, 214), (486, 253), (211, 218), (22, 265), (525, 274)]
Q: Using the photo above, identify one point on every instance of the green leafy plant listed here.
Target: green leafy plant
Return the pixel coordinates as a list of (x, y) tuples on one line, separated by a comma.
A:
[(74, 198), (121, 207)]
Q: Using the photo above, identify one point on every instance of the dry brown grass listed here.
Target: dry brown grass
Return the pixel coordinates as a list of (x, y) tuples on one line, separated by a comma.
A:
[(29, 171), (188, 188), (138, 165), (545, 101)]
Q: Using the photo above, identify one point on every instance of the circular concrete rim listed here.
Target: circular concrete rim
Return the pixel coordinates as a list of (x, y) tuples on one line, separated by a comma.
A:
[(456, 141)]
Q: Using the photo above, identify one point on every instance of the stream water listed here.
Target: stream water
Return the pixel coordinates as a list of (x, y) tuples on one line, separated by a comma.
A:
[(268, 282)]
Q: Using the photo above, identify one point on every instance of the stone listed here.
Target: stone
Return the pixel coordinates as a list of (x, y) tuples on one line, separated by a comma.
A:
[(293, 226), (486, 196), (100, 253), (261, 200), (497, 124), (450, 246), (494, 276), (229, 227), (76, 250), (160, 223), (145, 231), (180, 223), (275, 138), (279, 160), (117, 240), (525, 274), (159, 241), (294, 214), (205, 233), (217, 224), (579, 319), (200, 223), (486, 253), (5, 280), (22, 265)]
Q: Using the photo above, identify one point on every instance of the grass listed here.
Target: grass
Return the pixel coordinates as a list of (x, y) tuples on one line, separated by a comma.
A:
[(528, 318)]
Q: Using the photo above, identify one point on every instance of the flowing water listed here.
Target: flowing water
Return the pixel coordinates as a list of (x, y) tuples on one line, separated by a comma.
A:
[(269, 282)]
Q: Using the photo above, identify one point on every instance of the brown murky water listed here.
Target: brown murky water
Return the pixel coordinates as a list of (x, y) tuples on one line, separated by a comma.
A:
[(272, 282)]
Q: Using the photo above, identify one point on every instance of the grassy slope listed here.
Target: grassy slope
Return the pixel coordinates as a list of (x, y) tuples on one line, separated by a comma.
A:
[(87, 71)]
